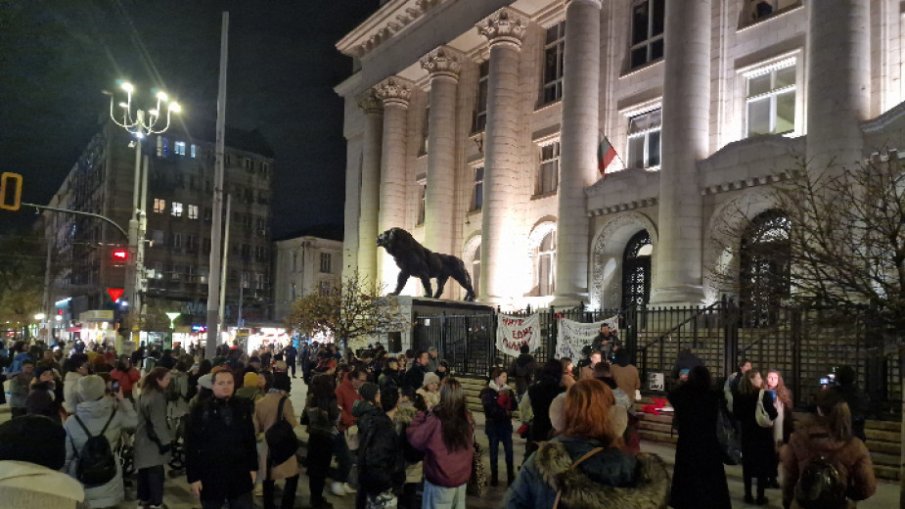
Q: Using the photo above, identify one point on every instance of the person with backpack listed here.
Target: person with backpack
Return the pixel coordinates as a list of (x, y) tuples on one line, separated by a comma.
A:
[(824, 465), (91, 435), (153, 438), (275, 419), (522, 370)]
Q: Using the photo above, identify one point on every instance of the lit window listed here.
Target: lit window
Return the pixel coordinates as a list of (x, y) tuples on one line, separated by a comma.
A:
[(548, 169), (259, 281), (425, 130), (194, 149), (193, 211), (326, 262), (647, 31), (179, 148), (163, 145), (480, 116), (477, 195), (176, 210), (770, 103), (422, 198), (554, 48), (546, 265), (160, 205), (644, 140)]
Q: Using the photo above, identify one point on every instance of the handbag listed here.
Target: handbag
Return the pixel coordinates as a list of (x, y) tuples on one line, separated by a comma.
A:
[(280, 437), (588, 455), (478, 480), (760, 413)]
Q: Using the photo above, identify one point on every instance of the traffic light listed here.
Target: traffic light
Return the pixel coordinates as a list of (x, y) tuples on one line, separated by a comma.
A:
[(10, 183), (119, 256)]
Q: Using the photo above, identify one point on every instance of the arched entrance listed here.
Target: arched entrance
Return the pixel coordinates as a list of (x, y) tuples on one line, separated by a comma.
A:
[(636, 270), (764, 268)]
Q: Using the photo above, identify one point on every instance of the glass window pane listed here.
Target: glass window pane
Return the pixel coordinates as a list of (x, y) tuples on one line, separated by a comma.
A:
[(656, 50), (639, 56), (550, 59), (639, 23), (758, 85), (659, 15), (636, 152), (785, 112), (759, 117), (784, 77), (653, 149)]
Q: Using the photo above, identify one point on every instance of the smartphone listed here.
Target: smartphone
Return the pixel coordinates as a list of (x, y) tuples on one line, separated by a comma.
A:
[(114, 387), (824, 380)]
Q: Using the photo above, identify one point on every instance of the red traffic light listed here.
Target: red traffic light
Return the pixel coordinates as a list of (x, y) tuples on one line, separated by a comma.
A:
[(120, 255)]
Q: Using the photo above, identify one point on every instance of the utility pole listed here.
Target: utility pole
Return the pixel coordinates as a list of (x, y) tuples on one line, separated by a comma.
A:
[(223, 278), (213, 284)]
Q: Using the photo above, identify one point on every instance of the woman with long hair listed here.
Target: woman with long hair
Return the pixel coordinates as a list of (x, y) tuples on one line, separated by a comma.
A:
[(584, 466), (568, 375), (322, 413), (828, 436), (153, 437), (446, 436), (758, 448), (782, 425), (498, 401), (698, 474)]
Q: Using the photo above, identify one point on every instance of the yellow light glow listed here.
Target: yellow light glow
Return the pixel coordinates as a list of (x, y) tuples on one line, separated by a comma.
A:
[(175, 107), (153, 112), (162, 96), (127, 87)]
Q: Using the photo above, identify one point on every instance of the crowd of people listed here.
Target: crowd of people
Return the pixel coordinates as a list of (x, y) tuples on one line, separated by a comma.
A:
[(399, 432)]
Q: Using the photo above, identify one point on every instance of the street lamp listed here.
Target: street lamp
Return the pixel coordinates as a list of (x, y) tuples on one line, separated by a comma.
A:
[(140, 124), (172, 315)]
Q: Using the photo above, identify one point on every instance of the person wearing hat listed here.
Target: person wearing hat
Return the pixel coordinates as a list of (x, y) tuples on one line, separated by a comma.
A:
[(430, 389), (252, 387), (32, 451), (75, 367), (98, 411), (267, 413)]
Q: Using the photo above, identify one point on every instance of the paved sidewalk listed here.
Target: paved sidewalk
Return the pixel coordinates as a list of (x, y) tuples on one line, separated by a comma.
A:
[(178, 496)]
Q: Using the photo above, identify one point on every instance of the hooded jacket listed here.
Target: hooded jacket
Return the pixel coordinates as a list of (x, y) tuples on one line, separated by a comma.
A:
[(611, 479), (381, 466), (152, 413), (26, 485), (70, 393)]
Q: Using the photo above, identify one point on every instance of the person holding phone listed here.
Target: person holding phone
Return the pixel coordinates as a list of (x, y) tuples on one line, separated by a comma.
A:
[(783, 426)]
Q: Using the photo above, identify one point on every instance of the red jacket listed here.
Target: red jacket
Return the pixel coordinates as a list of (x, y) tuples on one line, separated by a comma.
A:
[(126, 379), (441, 467), (346, 396)]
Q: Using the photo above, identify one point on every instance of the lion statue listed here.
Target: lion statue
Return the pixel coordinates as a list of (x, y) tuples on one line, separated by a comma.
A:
[(413, 259)]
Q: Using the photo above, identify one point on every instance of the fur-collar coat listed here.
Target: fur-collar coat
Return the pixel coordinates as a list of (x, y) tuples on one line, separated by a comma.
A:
[(610, 480)]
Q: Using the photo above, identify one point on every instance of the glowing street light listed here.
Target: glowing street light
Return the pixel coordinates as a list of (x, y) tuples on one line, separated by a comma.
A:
[(172, 316)]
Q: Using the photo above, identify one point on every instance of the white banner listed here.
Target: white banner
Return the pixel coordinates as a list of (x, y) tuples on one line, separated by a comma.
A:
[(573, 336), (514, 331)]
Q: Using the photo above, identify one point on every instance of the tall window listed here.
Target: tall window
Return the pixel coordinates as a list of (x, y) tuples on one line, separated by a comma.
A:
[(194, 151), (764, 268), (422, 200), (191, 243), (647, 31), (771, 99), (548, 170), (176, 210), (259, 281), (425, 130), (177, 240), (160, 205), (477, 194), (480, 115), (636, 273), (546, 265), (476, 270), (554, 48), (326, 263), (644, 140), (193, 211), (163, 146), (762, 9), (179, 148)]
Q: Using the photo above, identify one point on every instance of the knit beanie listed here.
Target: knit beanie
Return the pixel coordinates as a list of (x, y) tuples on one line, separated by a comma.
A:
[(368, 391), (35, 439), (250, 379), (92, 388), (206, 381), (430, 378), (557, 412), (281, 381)]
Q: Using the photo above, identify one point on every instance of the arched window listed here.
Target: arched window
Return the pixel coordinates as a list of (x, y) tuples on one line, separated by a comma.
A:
[(476, 270), (764, 268), (546, 265), (636, 270)]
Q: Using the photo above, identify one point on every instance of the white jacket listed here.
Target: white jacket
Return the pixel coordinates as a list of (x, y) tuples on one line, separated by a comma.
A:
[(26, 485)]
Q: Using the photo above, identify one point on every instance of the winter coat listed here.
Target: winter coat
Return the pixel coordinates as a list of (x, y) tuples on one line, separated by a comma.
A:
[(813, 440), (250, 394), (127, 379), (541, 395), (414, 377), (179, 385), (522, 371), (266, 410), (346, 396), (627, 379), (431, 399), (698, 474), (19, 387), (758, 448), (364, 413), (442, 467), (609, 480), (220, 447), (498, 407), (42, 401), (389, 378), (70, 391), (381, 466), (152, 411), (94, 415), (26, 485), (323, 421)]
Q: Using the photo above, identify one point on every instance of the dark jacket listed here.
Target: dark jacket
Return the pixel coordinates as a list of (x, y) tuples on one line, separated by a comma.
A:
[(42, 401), (364, 412), (414, 377), (541, 394), (698, 474), (381, 466), (522, 371), (498, 410), (610, 479), (758, 449), (220, 447)]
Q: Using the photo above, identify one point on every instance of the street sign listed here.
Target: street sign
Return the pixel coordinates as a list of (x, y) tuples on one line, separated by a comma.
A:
[(10, 182), (115, 293)]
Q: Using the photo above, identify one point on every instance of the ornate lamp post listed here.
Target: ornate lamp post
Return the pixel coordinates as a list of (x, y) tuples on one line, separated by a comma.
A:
[(140, 124)]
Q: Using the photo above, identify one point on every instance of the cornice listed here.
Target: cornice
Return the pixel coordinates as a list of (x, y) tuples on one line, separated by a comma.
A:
[(392, 18)]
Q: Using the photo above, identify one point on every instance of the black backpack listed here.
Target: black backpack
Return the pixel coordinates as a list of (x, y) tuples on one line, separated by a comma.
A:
[(96, 463), (281, 440), (821, 485)]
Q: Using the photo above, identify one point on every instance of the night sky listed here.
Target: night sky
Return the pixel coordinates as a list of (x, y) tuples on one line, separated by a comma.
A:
[(56, 56)]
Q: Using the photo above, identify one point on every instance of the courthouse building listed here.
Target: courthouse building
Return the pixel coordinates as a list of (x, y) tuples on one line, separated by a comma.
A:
[(476, 125)]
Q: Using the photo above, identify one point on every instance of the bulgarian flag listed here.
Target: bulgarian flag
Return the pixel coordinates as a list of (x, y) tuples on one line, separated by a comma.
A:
[(605, 155)]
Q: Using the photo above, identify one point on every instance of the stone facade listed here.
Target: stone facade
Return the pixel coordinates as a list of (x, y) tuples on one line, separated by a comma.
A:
[(304, 265), (707, 104)]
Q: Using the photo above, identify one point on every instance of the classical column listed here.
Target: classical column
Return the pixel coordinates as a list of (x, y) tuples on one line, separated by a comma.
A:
[(838, 82), (578, 142), (685, 135), (394, 93), (505, 30), (443, 64), (370, 185)]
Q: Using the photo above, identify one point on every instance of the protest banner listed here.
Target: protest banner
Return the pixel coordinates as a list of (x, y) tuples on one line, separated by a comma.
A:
[(514, 331), (573, 336)]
